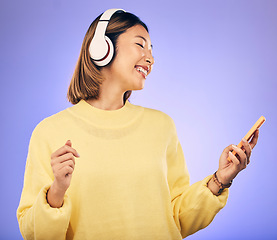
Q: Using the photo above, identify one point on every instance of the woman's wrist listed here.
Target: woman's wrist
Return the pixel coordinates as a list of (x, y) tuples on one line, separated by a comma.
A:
[(222, 179), (216, 186), (55, 197)]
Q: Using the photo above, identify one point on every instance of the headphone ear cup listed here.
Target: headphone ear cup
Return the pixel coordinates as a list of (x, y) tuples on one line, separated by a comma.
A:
[(109, 55)]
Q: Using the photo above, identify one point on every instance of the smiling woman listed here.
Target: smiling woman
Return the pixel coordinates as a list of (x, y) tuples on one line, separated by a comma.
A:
[(88, 77), (131, 74), (126, 177)]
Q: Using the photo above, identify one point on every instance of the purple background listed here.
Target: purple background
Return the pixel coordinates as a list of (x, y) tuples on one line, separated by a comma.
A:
[(215, 75)]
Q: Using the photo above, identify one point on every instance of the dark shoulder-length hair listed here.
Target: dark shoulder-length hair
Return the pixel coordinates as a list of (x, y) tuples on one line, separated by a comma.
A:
[(87, 78)]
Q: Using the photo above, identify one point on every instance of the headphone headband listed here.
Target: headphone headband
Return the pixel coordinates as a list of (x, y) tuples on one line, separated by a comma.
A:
[(101, 48), (106, 16)]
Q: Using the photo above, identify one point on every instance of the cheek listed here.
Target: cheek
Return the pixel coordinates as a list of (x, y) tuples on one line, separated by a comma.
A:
[(127, 58), (135, 53)]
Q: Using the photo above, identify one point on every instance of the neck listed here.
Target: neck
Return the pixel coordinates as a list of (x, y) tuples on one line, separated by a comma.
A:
[(110, 97), (111, 92)]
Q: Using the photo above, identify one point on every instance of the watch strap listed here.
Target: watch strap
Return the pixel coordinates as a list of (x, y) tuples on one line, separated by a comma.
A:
[(221, 185)]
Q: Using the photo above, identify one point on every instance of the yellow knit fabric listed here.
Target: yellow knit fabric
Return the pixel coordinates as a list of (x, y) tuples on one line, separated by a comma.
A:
[(130, 182)]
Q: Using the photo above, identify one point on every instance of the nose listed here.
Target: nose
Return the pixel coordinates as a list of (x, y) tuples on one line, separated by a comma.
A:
[(149, 58)]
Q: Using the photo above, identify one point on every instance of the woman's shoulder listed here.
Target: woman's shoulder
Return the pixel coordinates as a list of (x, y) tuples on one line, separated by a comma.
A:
[(51, 122), (158, 116)]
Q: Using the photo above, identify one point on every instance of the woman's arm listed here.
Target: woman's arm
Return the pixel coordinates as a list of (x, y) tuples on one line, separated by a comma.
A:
[(36, 218), (194, 206)]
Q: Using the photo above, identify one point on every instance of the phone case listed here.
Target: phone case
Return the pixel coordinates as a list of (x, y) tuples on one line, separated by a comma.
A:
[(248, 135)]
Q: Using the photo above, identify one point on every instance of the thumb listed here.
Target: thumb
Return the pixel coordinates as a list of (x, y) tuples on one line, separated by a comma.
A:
[(68, 143), (227, 150)]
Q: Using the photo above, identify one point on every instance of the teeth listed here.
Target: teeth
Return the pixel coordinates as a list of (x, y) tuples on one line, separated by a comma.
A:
[(140, 69)]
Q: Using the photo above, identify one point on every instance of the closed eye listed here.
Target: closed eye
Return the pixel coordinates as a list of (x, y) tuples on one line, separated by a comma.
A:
[(140, 45)]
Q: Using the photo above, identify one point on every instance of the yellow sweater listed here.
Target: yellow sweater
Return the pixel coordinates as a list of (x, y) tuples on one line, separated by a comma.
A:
[(130, 182)]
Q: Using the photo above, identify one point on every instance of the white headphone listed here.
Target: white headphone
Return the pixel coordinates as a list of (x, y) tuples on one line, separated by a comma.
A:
[(101, 48)]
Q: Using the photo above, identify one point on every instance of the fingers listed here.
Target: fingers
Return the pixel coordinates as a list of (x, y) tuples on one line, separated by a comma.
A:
[(62, 159), (247, 149), (225, 153), (242, 157), (65, 149), (254, 139), (68, 142), (238, 157), (63, 164), (61, 170), (66, 168), (234, 159), (227, 150)]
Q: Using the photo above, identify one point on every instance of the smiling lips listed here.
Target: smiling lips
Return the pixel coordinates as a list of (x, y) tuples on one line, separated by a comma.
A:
[(143, 70)]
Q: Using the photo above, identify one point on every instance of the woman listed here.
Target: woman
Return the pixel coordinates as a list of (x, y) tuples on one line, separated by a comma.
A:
[(121, 173)]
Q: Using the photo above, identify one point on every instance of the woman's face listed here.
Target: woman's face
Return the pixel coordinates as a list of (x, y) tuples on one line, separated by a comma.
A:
[(133, 61)]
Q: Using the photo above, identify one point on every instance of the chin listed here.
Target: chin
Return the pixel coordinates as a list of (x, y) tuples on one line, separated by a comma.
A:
[(139, 87)]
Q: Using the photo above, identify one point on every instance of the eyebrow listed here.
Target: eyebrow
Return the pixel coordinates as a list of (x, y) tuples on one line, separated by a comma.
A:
[(139, 36)]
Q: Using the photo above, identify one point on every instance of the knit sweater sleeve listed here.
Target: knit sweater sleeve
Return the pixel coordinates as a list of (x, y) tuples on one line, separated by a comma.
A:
[(36, 218), (194, 206)]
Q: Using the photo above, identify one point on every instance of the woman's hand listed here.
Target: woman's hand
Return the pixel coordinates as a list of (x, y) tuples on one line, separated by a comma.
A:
[(227, 170), (63, 163)]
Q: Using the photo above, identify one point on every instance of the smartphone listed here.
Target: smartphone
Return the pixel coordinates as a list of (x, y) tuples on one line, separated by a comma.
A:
[(250, 133)]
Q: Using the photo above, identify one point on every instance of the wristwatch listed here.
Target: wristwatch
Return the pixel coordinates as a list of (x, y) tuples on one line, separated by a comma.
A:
[(221, 185)]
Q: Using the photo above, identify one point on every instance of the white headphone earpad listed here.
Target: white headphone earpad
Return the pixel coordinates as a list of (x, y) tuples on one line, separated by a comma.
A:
[(109, 53), (98, 48), (107, 59)]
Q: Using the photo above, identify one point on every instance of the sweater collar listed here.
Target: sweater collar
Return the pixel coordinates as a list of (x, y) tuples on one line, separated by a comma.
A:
[(119, 118)]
